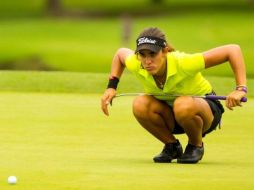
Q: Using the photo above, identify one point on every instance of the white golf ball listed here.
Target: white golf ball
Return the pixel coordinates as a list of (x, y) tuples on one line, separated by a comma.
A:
[(12, 180)]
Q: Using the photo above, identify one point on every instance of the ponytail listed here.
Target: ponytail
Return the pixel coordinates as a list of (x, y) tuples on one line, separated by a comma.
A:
[(170, 48)]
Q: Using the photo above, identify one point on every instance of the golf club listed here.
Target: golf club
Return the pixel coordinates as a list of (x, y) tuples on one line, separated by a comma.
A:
[(211, 97)]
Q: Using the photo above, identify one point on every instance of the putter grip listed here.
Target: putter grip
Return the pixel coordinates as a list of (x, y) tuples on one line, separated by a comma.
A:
[(214, 97)]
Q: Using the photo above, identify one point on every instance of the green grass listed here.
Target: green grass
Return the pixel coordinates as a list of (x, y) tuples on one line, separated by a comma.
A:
[(53, 82), (62, 44), (89, 45), (73, 82), (64, 142), (59, 139)]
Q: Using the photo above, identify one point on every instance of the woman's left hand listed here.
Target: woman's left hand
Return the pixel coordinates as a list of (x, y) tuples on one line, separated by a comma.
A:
[(234, 99)]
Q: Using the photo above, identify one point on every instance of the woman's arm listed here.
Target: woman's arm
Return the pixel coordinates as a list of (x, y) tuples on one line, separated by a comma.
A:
[(117, 68), (232, 54)]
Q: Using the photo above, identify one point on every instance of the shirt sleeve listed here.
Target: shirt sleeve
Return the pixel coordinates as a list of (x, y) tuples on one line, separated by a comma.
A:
[(192, 63), (132, 63)]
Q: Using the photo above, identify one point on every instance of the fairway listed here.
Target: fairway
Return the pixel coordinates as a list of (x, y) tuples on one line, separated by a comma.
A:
[(63, 142)]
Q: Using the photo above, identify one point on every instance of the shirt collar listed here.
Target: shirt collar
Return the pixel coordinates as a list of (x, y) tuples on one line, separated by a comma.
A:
[(144, 72), (171, 65)]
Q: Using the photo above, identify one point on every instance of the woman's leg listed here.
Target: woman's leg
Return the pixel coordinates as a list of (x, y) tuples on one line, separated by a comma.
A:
[(194, 115), (156, 117)]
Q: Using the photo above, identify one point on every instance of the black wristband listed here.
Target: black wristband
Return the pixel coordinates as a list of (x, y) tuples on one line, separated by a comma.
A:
[(113, 82)]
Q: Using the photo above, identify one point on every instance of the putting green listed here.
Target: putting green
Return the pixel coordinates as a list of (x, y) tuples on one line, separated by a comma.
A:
[(64, 142)]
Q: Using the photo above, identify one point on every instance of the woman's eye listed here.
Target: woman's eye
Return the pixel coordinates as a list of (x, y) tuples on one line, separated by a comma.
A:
[(141, 55), (152, 54)]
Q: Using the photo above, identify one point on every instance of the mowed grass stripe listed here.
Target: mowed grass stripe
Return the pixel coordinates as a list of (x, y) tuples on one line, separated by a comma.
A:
[(63, 141), (74, 82)]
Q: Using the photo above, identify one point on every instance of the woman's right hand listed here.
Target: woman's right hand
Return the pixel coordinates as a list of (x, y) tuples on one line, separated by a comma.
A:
[(107, 97)]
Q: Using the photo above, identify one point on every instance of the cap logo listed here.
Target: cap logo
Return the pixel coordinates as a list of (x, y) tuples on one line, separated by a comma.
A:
[(151, 40), (146, 40)]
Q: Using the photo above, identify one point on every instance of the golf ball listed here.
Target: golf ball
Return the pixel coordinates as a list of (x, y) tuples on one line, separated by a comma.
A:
[(12, 180)]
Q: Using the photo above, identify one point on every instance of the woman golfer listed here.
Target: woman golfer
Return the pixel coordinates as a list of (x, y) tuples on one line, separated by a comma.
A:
[(161, 69)]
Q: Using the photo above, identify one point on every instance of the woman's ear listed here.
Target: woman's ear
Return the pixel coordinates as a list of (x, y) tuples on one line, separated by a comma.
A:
[(165, 49)]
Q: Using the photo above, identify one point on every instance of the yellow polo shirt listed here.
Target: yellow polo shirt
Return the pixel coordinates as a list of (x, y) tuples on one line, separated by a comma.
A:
[(183, 75)]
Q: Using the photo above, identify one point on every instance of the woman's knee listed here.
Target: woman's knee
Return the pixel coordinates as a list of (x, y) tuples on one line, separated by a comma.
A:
[(140, 105), (184, 107), (144, 106)]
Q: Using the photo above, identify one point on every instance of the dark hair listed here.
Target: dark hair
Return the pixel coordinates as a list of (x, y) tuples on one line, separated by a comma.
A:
[(156, 32)]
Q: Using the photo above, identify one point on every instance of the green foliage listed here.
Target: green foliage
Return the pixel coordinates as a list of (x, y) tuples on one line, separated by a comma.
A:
[(37, 8), (113, 7), (89, 45), (21, 8)]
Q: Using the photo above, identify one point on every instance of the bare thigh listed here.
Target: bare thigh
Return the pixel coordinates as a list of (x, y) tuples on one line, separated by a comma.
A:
[(187, 107)]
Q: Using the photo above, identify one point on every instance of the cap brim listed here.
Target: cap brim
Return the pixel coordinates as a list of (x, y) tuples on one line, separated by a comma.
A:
[(150, 47)]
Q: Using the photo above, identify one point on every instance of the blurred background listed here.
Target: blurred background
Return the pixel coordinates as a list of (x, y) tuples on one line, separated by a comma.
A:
[(83, 35)]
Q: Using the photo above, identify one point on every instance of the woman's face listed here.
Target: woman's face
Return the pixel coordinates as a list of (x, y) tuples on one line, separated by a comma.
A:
[(153, 62)]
